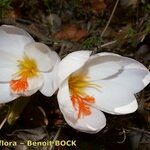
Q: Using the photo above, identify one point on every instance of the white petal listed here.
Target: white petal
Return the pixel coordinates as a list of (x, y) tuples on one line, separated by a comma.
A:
[(7, 60), (41, 54), (111, 96), (64, 100), (6, 74), (130, 107), (132, 79), (146, 79), (34, 85), (8, 66), (126, 62), (71, 63), (50, 82), (130, 63), (101, 66), (89, 124), (15, 30), (5, 94), (103, 70), (132, 74), (13, 43), (55, 59), (106, 54)]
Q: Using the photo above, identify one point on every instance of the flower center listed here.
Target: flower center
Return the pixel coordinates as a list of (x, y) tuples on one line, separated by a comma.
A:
[(27, 68), (80, 99)]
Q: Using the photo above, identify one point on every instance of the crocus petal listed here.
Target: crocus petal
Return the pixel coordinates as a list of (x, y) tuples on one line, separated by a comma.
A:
[(132, 79), (126, 62), (8, 66), (50, 83), (105, 57), (131, 74), (110, 97), (109, 64), (13, 43), (106, 54), (129, 107), (103, 70), (101, 66), (71, 63), (41, 54), (55, 59), (34, 85), (5, 94), (134, 75), (129, 63), (146, 79), (89, 124), (50, 79), (64, 100), (6, 74), (15, 30), (7, 60)]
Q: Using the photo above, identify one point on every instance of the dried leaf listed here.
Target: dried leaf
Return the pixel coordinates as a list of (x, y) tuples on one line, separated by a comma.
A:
[(13, 14), (21, 147), (71, 32), (147, 105), (35, 134), (127, 3), (98, 6), (55, 21)]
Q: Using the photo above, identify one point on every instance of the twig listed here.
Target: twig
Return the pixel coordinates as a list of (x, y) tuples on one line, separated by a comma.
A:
[(55, 138), (124, 137), (108, 22), (140, 130), (109, 43), (3, 122)]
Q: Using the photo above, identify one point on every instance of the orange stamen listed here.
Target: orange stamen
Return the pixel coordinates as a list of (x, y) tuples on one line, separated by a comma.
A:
[(80, 104), (78, 82), (19, 85), (27, 68)]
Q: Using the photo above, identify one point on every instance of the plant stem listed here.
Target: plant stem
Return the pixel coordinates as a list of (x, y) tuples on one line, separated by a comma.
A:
[(3, 122), (108, 22)]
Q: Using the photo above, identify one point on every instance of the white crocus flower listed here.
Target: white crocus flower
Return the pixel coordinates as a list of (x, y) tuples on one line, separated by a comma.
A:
[(102, 82), (26, 66)]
